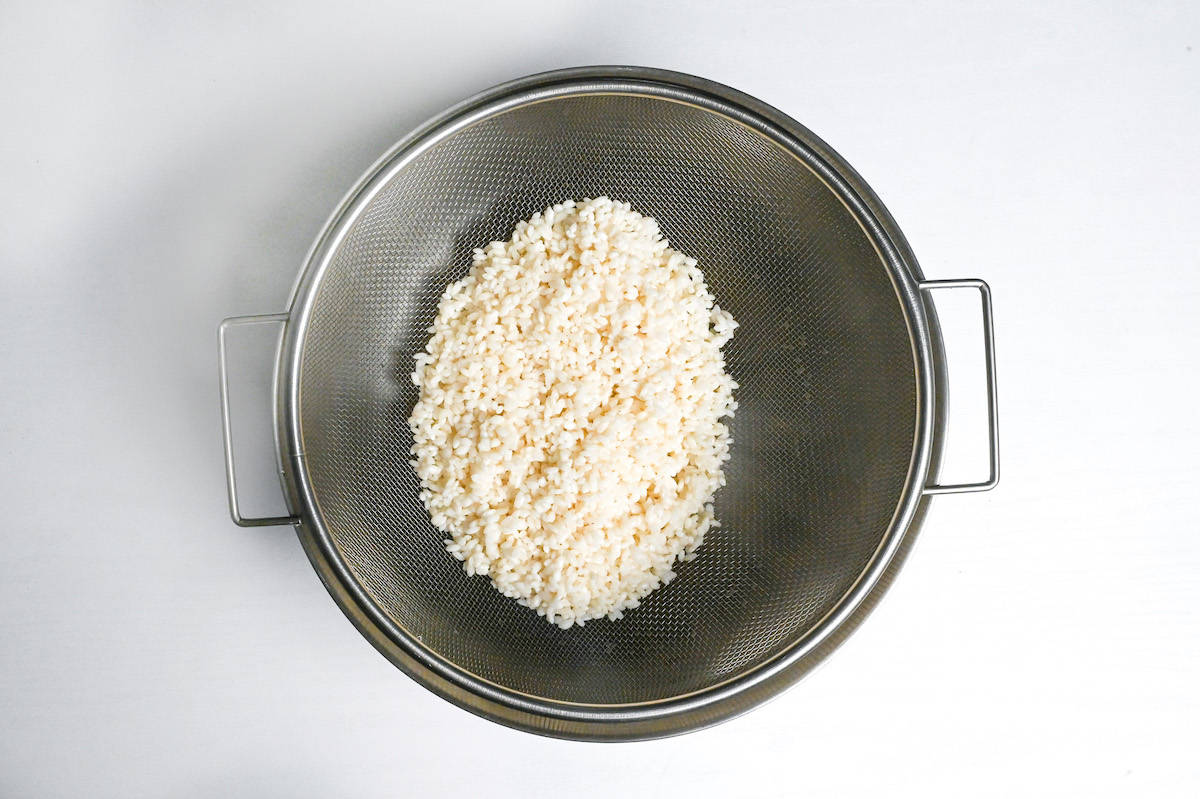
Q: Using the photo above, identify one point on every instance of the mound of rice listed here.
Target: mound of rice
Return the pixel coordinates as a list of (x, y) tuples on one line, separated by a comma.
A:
[(568, 434)]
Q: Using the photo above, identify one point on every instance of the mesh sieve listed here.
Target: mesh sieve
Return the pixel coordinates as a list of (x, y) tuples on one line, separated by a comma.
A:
[(831, 439)]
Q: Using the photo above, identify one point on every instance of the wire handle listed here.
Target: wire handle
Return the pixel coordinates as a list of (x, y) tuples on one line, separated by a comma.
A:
[(989, 347), (230, 476)]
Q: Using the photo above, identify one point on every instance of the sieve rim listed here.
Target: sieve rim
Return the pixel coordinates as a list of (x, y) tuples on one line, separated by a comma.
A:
[(708, 705)]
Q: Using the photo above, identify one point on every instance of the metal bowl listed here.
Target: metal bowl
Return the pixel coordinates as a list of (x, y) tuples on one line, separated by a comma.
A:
[(835, 440)]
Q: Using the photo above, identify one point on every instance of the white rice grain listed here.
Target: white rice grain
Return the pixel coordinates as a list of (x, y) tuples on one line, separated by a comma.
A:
[(568, 434)]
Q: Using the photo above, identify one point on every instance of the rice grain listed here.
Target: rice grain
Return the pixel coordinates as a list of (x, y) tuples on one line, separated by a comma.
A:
[(568, 433)]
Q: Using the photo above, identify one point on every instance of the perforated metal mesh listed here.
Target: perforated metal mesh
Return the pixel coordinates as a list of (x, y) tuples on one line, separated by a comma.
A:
[(821, 440)]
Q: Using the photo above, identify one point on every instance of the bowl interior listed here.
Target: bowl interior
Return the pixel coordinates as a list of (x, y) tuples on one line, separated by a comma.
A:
[(822, 438)]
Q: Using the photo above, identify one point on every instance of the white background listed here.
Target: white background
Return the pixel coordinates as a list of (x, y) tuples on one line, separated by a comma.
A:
[(164, 166)]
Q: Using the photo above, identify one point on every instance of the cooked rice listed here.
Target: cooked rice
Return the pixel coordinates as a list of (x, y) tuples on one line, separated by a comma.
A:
[(568, 434)]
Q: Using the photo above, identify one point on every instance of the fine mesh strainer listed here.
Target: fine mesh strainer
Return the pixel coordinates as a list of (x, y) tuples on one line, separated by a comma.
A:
[(835, 438)]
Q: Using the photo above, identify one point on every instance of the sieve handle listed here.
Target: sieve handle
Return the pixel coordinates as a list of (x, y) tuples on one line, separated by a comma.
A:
[(989, 352), (230, 475)]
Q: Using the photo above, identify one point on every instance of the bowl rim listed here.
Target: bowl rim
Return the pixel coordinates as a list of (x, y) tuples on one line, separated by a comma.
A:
[(735, 695)]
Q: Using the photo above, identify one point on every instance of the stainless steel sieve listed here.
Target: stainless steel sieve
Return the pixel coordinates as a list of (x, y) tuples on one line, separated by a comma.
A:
[(835, 440)]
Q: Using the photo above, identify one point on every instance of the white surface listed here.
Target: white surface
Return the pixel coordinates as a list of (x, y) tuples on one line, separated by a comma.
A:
[(164, 167)]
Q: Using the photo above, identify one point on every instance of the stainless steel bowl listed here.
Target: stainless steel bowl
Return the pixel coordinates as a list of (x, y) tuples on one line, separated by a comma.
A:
[(835, 440)]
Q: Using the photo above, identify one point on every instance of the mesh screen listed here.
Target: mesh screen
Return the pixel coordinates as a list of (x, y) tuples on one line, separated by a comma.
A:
[(821, 440)]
